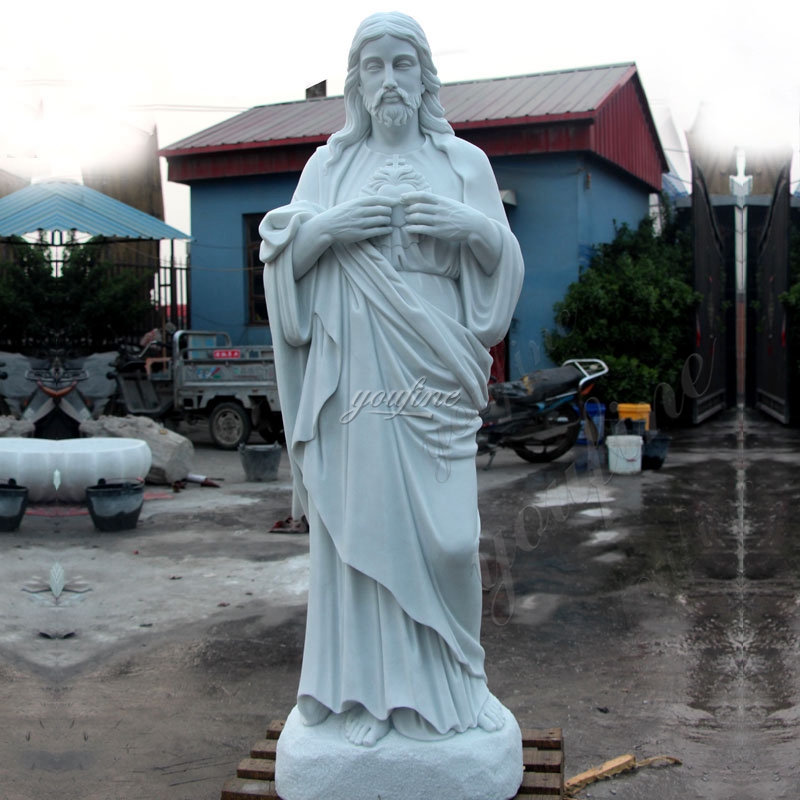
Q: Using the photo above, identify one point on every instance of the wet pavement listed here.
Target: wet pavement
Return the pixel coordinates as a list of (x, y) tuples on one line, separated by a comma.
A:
[(658, 613), (653, 614)]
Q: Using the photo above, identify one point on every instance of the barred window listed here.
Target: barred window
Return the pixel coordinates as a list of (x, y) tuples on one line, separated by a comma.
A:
[(257, 302)]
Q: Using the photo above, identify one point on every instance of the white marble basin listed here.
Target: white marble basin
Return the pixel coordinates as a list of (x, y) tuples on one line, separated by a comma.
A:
[(79, 463)]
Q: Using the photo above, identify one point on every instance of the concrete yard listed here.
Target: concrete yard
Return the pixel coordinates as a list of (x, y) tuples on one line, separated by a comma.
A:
[(653, 614)]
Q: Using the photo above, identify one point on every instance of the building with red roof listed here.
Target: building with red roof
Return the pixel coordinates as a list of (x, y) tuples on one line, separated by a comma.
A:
[(575, 154)]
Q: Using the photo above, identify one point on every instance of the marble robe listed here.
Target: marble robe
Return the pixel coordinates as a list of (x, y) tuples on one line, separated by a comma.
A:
[(394, 606)]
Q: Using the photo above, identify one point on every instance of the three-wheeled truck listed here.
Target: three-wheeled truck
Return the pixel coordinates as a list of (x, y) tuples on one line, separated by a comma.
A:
[(203, 375)]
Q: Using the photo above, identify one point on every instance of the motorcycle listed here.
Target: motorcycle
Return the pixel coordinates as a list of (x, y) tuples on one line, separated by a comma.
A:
[(539, 416)]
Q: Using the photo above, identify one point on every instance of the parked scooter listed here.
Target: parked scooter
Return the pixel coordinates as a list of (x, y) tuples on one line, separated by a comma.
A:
[(539, 415)]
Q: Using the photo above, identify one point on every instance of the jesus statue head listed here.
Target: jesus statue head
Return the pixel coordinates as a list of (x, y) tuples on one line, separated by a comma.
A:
[(363, 108)]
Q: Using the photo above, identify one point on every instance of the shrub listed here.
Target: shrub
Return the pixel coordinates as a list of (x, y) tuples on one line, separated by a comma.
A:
[(791, 298), (90, 303), (100, 303), (27, 290), (632, 307)]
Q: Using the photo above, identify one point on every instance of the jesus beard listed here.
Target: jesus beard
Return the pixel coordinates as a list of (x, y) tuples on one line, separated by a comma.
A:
[(393, 114)]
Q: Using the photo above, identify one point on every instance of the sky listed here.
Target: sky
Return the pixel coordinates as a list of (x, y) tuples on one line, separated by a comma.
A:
[(86, 65)]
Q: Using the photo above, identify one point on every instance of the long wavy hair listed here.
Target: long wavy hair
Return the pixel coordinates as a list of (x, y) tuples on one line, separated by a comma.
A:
[(358, 122)]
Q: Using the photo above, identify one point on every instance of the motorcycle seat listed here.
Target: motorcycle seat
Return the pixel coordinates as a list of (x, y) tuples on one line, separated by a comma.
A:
[(539, 385)]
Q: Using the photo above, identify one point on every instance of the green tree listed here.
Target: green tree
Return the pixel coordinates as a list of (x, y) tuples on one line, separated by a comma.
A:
[(100, 303), (632, 307), (90, 303), (27, 285)]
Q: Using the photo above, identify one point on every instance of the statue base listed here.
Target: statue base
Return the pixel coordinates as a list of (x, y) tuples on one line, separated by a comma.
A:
[(318, 762), (542, 760)]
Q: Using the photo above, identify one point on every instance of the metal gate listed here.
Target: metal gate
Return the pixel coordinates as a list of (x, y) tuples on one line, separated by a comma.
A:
[(706, 389), (772, 279)]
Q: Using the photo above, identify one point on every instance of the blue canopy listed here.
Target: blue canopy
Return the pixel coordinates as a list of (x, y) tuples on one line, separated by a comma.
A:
[(673, 186), (67, 206)]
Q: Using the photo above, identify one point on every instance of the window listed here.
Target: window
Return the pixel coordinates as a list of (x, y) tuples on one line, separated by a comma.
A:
[(257, 314)]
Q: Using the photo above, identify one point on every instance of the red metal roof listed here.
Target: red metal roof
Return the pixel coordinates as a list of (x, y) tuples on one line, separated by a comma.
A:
[(598, 109)]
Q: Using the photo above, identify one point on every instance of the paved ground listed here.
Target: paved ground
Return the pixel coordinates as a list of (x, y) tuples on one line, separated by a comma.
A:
[(652, 614)]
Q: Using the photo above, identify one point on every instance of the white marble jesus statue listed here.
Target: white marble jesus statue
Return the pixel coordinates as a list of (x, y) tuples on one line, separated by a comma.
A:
[(388, 277)]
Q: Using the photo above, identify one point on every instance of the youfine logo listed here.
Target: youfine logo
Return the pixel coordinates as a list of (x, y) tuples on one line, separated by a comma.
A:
[(413, 402)]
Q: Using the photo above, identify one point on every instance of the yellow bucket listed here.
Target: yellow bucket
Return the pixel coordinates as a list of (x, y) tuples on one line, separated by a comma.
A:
[(635, 411)]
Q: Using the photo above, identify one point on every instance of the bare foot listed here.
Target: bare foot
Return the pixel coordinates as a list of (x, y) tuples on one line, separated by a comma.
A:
[(491, 716), (361, 728), (312, 711)]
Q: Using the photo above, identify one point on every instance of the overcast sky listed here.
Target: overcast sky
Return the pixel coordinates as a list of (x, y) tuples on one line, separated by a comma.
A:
[(185, 66)]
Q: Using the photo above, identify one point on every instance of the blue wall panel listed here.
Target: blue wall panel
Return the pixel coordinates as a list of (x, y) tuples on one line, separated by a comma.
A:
[(560, 215), (566, 204), (218, 272)]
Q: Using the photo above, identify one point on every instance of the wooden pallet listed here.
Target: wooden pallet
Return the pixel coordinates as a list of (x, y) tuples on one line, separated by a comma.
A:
[(542, 758)]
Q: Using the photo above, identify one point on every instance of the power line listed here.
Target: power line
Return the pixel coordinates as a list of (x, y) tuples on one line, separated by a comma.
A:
[(183, 108)]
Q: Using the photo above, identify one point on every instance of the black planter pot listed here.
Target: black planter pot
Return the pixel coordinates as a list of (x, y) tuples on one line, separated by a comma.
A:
[(115, 506), (260, 461), (13, 502), (655, 449)]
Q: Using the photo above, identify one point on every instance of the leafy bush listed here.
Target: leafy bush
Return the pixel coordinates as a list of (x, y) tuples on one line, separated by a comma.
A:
[(90, 303), (100, 303), (27, 285), (791, 298), (632, 307)]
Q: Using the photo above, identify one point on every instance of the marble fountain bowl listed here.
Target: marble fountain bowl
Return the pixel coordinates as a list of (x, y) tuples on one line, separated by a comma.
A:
[(74, 464)]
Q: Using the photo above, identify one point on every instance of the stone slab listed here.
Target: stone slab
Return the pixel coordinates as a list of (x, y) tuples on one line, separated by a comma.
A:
[(318, 762), (10, 426), (172, 454)]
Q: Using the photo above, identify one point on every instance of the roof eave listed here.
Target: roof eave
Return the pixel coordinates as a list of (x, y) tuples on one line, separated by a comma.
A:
[(258, 144), (544, 119), (318, 139)]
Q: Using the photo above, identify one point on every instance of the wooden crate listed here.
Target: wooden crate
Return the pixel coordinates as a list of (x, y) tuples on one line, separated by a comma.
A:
[(255, 774), (542, 759)]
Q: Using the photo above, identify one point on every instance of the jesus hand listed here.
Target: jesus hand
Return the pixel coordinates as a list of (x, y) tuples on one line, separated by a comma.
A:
[(429, 214), (355, 220)]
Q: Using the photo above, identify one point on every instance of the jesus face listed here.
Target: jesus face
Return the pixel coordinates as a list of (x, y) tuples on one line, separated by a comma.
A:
[(390, 80)]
